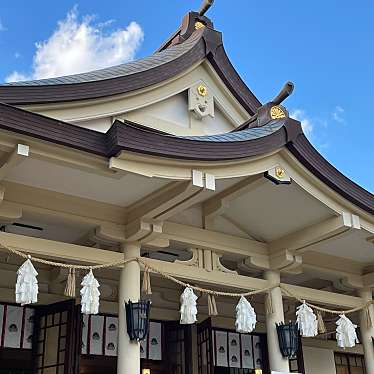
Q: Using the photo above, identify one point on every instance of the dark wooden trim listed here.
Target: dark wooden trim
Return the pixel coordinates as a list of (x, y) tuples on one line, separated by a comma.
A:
[(135, 138), (208, 45), (307, 155)]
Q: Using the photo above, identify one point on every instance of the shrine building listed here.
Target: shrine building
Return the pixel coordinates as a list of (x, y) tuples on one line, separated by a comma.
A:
[(168, 174)]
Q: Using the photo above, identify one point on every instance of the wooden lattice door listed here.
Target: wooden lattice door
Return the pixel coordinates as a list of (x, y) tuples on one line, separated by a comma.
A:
[(57, 339), (205, 348), (178, 348)]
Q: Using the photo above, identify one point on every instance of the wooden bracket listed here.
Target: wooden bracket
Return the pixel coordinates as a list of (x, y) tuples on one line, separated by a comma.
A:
[(283, 261), (206, 259)]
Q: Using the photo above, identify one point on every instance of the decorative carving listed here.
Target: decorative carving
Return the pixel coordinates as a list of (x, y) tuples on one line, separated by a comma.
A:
[(278, 175), (195, 260), (206, 259), (199, 25), (200, 100), (280, 172), (217, 265), (202, 90), (277, 112)]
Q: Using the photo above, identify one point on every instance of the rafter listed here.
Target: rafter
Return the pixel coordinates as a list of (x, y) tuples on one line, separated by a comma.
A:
[(171, 199), (219, 203), (304, 239)]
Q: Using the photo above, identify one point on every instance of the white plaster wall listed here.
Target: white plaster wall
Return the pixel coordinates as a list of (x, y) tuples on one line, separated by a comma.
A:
[(318, 361), (217, 125), (172, 115)]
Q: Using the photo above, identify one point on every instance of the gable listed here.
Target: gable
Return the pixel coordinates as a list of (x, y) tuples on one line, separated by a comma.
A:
[(170, 107)]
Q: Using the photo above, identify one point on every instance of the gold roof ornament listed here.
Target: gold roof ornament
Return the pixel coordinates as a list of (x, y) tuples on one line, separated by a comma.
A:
[(199, 25), (277, 112), (202, 90), (278, 175), (280, 172)]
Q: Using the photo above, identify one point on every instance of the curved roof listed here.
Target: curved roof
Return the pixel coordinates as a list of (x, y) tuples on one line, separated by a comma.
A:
[(138, 66), (129, 136), (186, 48)]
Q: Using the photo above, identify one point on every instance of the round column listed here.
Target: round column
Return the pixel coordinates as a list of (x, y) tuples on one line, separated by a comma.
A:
[(367, 332), (276, 360), (128, 361)]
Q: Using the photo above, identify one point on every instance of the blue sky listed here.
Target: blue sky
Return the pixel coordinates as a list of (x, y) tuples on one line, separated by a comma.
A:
[(324, 47)]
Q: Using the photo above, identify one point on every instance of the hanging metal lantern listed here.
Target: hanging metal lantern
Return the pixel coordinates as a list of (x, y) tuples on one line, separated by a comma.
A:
[(288, 337), (137, 318)]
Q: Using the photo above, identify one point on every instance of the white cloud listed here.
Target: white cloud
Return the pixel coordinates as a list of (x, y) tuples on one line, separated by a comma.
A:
[(2, 27), (78, 46), (338, 114), (306, 122), (16, 77)]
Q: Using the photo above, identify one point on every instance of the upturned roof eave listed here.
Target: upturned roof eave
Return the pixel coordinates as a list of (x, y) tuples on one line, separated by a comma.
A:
[(175, 57), (139, 139)]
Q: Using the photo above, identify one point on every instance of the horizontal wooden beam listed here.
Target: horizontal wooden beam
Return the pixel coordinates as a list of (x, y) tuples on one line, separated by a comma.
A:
[(336, 300), (86, 255), (77, 254), (214, 240), (216, 279)]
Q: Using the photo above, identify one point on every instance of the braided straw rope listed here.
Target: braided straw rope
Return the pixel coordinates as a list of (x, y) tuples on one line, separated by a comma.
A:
[(200, 289), (287, 292), (66, 266), (145, 263)]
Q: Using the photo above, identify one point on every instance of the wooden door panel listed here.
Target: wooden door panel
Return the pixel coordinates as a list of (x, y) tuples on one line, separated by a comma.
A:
[(56, 339)]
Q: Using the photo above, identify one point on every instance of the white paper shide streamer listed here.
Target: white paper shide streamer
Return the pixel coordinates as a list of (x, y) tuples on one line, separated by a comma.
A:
[(306, 321), (346, 335), (90, 294), (188, 307), (27, 284), (245, 316)]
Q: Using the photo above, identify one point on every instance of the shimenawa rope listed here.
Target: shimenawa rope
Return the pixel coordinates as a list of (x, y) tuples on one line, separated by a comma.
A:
[(148, 267)]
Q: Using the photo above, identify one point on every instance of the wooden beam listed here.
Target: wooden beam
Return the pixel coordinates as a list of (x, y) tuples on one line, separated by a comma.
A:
[(79, 254), (221, 243), (169, 200), (220, 202), (324, 297), (304, 239), (58, 250), (9, 213), (72, 208), (13, 159)]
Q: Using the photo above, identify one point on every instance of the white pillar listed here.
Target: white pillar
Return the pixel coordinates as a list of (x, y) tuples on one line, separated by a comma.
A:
[(367, 332), (276, 360), (128, 361)]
